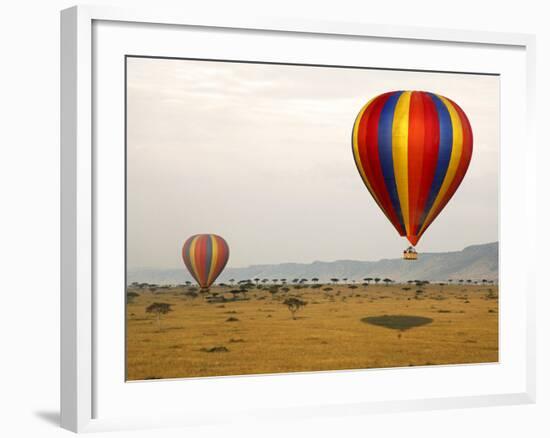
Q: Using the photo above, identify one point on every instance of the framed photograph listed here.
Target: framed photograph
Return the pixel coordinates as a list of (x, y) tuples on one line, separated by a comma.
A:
[(257, 208)]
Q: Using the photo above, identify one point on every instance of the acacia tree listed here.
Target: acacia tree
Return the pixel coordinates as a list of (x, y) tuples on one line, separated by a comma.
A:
[(387, 281), (377, 280), (159, 309), (294, 304), (130, 296)]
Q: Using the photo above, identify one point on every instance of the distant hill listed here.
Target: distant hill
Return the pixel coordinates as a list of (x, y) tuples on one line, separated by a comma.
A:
[(474, 262)]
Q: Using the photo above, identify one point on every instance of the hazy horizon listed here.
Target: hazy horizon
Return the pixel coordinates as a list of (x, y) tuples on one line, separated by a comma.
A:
[(479, 262), (261, 155), (290, 262)]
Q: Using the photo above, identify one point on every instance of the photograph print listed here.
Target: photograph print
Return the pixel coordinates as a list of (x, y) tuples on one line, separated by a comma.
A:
[(287, 218)]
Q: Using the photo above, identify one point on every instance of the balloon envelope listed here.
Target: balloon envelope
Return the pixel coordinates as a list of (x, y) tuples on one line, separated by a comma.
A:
[(205, 256), (412, 149)]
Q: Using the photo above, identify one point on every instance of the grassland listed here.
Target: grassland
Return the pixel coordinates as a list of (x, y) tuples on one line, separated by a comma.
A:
[(255, 333)]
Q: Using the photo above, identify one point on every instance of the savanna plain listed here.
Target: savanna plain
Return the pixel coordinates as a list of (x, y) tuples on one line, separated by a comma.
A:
[(255, 328)]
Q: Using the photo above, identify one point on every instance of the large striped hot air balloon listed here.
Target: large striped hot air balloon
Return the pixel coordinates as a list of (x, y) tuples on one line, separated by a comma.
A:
[(412, 149), (205, 256)]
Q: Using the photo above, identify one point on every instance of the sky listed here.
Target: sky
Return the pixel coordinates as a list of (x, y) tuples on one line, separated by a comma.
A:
[(261, 155)]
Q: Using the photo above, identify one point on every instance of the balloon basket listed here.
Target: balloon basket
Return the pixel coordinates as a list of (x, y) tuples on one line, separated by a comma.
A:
[(410, 254)]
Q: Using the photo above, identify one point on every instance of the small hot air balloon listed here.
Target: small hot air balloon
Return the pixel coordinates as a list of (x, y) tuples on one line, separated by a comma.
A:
[(412, 149), (205, 256)]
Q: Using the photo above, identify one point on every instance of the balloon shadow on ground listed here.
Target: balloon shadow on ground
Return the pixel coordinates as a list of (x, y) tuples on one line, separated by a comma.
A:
[(397, 322)]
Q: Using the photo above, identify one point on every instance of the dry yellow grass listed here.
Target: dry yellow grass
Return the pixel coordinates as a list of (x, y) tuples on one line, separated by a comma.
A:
[(328, 333)]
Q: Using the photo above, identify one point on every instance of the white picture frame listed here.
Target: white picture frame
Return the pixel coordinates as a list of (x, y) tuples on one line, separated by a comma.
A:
[(84, 388)]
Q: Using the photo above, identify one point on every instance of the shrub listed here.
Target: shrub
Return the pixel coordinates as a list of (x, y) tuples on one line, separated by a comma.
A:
[(217, 349), (130, 296)]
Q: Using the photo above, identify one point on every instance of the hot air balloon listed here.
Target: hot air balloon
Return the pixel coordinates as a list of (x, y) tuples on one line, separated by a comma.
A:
[(412, 149), (205, 256)]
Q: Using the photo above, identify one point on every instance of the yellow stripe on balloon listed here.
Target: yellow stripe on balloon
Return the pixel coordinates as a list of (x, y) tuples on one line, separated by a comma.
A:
[(192, 254), (400, 153), (456, 153), (358, 157), (214, 257)]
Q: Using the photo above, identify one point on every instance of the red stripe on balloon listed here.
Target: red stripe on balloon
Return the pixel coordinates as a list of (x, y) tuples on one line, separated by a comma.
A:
[(415, 156), (200, 259), (368, 153), (464, 162), (430, 154)]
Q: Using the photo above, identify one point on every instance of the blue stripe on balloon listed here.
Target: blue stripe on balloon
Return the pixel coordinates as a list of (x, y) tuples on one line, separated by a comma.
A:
[(385, 125), (444, 154), (208, 258)]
